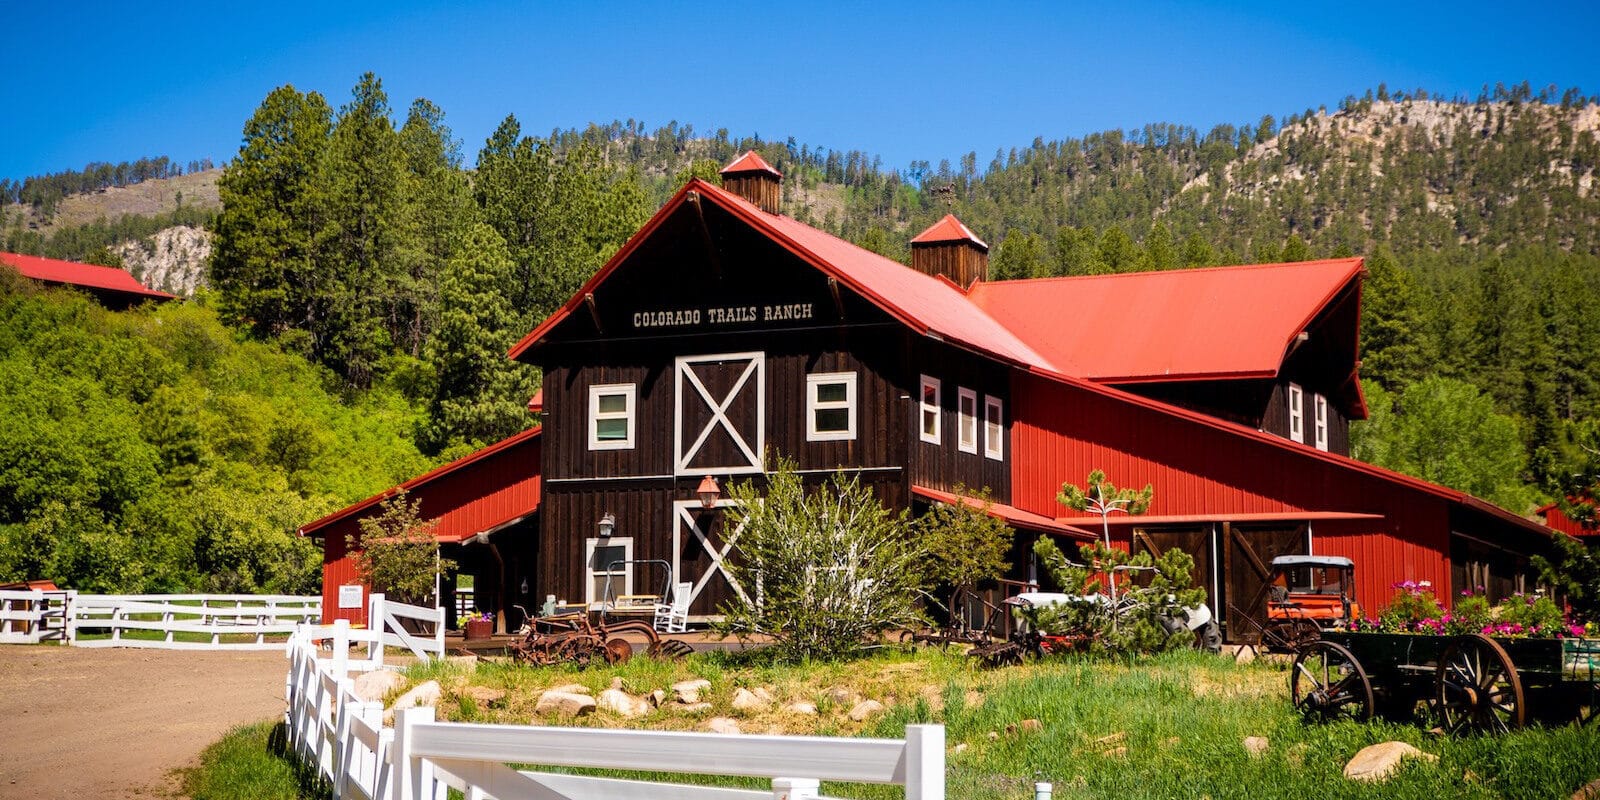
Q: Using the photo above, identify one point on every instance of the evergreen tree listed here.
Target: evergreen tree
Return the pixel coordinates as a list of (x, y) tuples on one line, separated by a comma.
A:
[(1394, 342)]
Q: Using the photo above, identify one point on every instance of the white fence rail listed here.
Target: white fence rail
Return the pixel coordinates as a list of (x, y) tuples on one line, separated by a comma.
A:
[(33, 616), (204, 621), (419, 758), (396, 620)]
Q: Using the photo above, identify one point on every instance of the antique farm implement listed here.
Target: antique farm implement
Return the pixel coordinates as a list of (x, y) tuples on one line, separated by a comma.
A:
[(1474, 682), (1029, 641), (576, 639), (1304, 596)]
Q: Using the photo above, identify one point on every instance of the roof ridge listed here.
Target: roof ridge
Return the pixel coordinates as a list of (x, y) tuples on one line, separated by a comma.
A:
[(1178, 270)]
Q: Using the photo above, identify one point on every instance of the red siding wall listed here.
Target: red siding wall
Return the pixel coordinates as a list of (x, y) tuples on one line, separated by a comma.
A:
[(465, 498), (1061, 432)]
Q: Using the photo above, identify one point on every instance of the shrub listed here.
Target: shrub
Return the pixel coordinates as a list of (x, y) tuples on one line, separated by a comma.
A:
[(1142, 625), (824, 571), (398, 555)]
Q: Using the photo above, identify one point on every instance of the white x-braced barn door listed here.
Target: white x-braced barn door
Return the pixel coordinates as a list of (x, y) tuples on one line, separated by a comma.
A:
[(719, 423), (692, 533)]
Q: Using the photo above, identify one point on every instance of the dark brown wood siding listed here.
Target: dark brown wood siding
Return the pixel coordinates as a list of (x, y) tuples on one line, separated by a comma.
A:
[(944, 465), (961, 262)]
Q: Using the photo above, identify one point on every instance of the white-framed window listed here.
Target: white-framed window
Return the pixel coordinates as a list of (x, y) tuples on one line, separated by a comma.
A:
[(1297, 414), (611, 416), (599, 554), (830, 406), (930, 410), (967, 422), (1320, 422), (994, 428)]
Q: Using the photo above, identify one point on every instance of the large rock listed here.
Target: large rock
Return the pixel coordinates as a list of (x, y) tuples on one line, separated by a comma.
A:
[(373, 686), (695, 708), (623, 704), (688, 692), (801, 707), (565, 704), (749, 702), (865, 710), (1377, 762), (424, 694), (723, 725)]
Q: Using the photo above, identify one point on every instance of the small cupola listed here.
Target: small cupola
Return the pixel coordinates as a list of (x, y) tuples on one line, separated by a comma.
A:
[(951, 249), (751, 177)]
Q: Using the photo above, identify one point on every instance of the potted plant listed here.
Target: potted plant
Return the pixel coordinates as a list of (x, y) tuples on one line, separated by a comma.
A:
[(476, 625)]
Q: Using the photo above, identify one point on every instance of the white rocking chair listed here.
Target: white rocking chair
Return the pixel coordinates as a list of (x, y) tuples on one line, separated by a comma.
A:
[(674, 617)]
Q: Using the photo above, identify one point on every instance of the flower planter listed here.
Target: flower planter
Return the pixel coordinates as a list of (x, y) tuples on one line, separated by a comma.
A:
[(479, 629)]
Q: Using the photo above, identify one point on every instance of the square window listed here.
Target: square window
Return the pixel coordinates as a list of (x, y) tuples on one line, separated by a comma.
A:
[(930, 410), (602, 583), (967, 427), (611, 416), (830, 406), (994, 428)]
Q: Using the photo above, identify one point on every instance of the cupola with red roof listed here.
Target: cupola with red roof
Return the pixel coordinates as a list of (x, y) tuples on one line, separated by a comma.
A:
[(751, 177), (951, 249)]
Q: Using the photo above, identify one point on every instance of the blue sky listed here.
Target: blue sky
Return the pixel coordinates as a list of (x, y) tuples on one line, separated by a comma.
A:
[(91, 82)]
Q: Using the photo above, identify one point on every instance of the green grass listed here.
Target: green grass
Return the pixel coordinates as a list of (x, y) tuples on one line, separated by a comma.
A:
[(1182, 719), (247, 764)]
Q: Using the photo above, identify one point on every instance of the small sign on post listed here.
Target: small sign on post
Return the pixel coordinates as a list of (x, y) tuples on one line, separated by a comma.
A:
[(350, 596)]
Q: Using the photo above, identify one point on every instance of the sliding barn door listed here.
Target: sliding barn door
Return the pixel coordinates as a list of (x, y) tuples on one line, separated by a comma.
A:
[(1249, 552), (719, 420)]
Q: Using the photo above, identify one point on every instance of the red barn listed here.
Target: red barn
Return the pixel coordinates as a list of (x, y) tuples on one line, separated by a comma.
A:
[(724, 330), (113, 287)]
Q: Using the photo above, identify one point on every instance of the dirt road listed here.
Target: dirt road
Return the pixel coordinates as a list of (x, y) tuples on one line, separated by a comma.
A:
[(81, 723)]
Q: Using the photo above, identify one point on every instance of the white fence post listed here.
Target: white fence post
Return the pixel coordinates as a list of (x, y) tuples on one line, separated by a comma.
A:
[(795, 788), (924, 762), (407, 775)]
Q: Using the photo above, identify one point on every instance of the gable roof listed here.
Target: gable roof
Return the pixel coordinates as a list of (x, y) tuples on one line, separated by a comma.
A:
[(88, 276), (949, 229), (1158, 326), (750, 162), (931, 306)]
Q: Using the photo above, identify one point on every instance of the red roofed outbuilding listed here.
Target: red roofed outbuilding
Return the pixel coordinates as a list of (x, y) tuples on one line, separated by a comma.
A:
[(113, 287)]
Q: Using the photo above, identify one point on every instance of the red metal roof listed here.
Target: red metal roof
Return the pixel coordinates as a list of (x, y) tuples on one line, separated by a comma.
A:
[(1122, 520), (1013, 516), (483, 511), (929, 305), (949, 229), (536, 402), (1222, 322), (750, 162), (90, 276)]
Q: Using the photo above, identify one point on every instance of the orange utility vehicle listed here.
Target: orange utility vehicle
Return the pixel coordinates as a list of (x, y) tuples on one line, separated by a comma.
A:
[(1309, 594)]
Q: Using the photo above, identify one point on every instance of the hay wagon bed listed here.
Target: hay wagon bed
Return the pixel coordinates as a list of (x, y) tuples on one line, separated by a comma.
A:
[(1474, 682)]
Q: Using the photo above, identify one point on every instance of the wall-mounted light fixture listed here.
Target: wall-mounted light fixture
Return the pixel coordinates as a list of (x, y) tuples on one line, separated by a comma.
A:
[(709, 492), (608, 523)]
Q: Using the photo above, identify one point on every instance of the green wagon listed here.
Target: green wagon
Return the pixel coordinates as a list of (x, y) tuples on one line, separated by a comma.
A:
[(1474, 682)]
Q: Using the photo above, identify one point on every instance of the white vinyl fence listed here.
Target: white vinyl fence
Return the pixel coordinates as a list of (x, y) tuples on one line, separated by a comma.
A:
[(33, 616), (189, 621), (420, 758)]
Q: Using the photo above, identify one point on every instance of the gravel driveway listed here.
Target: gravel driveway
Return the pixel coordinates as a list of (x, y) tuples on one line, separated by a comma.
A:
[(80, 723)]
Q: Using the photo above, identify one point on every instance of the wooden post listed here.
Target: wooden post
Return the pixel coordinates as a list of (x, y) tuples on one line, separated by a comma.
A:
[(924, 762)]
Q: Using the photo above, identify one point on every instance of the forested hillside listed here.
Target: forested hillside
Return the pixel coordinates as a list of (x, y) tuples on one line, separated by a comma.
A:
[(356, 237)]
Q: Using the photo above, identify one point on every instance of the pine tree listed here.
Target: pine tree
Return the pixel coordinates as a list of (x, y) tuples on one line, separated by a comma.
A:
[(1394, 342)]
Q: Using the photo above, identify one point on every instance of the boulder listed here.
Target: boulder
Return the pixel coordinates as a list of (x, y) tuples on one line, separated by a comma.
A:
[(623, 704), (1378, 761), (423, 694), (722, 725), (801, 707), (373, 686), (695, 708), (565, 704), (842, 697), (749, 702), (1255, 745), (658, 698), (688, 692), (865, 710)]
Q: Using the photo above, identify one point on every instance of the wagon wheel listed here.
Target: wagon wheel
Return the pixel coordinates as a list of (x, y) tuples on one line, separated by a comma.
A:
[(618, 651), (1327, 683), (1477, 687), (671, 650)]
